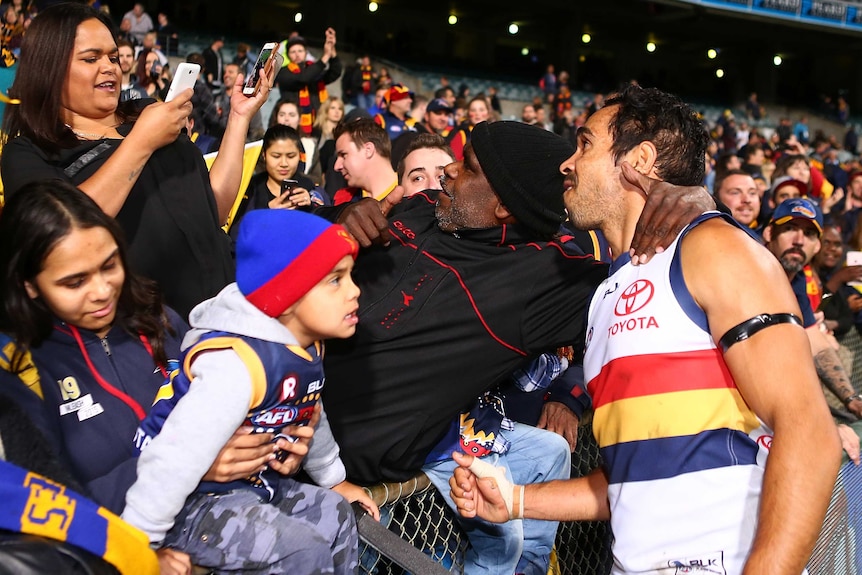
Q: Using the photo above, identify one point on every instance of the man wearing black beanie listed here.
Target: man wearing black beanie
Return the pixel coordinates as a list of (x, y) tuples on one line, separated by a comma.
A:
[(513, 160), (447, 311)]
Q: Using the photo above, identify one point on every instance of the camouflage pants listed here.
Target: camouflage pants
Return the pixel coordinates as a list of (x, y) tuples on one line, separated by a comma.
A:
[(305, 529)]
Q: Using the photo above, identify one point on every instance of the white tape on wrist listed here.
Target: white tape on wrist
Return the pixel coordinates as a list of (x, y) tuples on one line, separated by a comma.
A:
[(519, 489), (507, 489)]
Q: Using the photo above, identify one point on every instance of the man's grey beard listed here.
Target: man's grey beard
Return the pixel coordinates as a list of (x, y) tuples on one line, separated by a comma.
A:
[(791, 267)]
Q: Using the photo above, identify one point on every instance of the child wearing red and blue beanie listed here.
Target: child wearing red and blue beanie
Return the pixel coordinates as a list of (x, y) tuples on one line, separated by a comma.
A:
[(253, 358)]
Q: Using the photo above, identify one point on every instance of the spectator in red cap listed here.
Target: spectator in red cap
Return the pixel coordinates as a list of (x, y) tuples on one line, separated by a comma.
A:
[(395, 118)]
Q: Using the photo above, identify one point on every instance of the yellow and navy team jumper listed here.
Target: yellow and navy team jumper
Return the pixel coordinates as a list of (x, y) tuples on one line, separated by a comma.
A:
[(36, 505), (87, 395), (684, 454), (251, 372)]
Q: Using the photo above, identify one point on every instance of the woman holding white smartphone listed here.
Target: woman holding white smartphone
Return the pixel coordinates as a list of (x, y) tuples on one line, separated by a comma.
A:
[(132, 160)]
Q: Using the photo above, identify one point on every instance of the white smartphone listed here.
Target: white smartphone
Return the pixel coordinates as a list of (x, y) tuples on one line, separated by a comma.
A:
[(266, 61), (184, 78), (854, 258)]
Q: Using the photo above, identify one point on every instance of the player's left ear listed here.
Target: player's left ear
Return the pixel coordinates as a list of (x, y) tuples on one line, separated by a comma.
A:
[(643, 158)]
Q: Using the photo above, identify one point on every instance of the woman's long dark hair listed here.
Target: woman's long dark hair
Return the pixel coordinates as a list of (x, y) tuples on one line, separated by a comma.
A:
[(42, 71), (141, 70), (33, 221)]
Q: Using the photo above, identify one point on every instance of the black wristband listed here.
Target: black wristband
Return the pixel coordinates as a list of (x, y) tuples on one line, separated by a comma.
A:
[(751, 326)]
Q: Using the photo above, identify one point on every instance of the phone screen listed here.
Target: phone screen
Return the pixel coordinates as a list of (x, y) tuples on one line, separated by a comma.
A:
[(251, 81), (288, 185)]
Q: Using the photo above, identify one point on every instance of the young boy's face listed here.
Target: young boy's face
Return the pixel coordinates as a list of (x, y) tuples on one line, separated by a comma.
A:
[(328, 310)]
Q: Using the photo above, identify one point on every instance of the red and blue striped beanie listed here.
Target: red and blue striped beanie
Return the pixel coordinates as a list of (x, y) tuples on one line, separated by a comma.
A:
[(282, 254)]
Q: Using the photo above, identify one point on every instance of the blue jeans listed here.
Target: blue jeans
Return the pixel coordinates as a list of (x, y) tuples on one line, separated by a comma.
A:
[(365, 101), (522, 546)]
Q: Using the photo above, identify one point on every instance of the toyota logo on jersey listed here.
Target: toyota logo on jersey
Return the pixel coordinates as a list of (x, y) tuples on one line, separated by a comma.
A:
[(634, 298)]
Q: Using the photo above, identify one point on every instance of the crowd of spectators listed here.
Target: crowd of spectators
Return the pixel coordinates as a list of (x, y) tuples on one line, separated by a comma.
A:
[(140, 159), (755, 171)]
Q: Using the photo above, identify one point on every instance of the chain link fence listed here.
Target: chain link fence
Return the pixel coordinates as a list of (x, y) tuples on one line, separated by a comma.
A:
[(584, 547), (417, 513), (851, 356), (839, 547)]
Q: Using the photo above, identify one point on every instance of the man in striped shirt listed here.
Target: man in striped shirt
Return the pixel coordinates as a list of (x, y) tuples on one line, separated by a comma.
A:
[(719, 457)]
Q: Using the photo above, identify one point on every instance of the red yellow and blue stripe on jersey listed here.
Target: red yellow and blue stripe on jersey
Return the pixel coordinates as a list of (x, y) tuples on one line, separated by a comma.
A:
[(662, 416)]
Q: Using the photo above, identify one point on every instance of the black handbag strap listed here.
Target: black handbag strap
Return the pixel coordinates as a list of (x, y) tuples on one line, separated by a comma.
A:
[(72, 169)]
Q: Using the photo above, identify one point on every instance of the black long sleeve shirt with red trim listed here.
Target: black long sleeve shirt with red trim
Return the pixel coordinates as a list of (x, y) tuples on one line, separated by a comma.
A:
[(443, 318)]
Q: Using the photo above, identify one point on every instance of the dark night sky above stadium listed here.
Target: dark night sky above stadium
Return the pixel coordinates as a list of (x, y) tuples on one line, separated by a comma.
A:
[(815, 60)]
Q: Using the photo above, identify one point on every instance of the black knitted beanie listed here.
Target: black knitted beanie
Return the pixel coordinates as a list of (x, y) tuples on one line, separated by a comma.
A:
[(522, 163)]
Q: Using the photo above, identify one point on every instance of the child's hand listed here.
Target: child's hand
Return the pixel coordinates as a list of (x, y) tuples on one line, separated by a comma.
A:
[(353, 492), (173, 562), (315, 416)]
